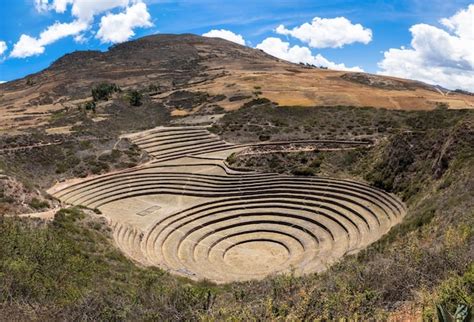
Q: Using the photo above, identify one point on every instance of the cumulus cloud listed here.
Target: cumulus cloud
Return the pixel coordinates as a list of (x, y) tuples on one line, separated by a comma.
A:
[(437, 56), (83, 10), (30, 46), (227, 35), (113, 27), (86, 9), (3, 47), (119, 27), (297, 54), (328, 33)]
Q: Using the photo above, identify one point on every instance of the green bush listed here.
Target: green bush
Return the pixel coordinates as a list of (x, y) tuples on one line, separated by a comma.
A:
[(90, 106), (134, 98), (303, 171), (103, 91), (38, 204), (231, 159)]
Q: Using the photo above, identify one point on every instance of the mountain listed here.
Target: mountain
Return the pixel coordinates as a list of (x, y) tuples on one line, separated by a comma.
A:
[(166, 63)]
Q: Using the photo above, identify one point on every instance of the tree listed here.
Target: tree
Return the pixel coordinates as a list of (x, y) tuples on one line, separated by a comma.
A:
[(103, 91), (90, 106), (134, 97)]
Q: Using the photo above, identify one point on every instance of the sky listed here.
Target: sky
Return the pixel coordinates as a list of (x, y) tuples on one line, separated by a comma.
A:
[(431, 41)]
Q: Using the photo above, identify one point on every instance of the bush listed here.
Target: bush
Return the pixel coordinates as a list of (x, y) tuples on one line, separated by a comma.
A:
[(104, 91), (38, 204), (231, 159), (134, 98), (90, 106), (304, 171)]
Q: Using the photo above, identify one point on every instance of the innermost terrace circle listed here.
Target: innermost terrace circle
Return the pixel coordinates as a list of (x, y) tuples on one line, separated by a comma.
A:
[(263, 255)]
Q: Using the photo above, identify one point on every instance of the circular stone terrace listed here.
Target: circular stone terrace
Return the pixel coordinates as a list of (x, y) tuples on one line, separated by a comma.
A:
[(187, 212)]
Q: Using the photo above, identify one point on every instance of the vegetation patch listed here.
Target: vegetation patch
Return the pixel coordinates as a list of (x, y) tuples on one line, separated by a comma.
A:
[(104, 91)]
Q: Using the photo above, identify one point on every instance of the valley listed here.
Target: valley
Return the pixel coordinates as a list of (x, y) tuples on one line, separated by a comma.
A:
[(177, 177)]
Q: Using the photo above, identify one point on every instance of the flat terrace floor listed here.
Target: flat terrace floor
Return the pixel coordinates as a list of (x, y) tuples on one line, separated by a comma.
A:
[(187, 212)]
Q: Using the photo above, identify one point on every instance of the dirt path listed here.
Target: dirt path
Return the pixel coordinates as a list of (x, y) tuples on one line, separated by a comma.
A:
[(296, 150), (29, 147)]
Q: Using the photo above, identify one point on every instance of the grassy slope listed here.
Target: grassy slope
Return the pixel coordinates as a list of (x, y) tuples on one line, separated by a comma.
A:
[(427, 259), (69, 269), (93, 146)]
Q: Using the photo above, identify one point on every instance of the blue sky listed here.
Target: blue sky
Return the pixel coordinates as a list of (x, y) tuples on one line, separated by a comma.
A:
[(388, 23)]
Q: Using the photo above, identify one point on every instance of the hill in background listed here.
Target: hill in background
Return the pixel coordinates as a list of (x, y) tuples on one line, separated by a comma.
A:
[(165, 65)]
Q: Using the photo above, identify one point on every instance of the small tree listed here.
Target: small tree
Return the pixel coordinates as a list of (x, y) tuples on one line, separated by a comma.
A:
[(90, 106), (134, 97), (103, 91)]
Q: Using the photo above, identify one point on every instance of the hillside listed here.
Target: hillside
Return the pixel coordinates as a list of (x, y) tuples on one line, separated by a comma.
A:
[(163, 64), (177, 177)]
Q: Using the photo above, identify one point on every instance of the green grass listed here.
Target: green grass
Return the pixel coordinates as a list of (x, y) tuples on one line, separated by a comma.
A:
[(68, 269)]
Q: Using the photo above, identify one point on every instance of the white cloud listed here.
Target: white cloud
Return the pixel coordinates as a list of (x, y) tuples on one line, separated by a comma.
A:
[(296, 54), (325, 33), (80, 39), (462, 23), (30, 46), (437, 56), (41, 5), (227, 35), (3, 47), (26, 46), (87, 9), (1, 82), (119, 27), (84, 10), (113, 27)]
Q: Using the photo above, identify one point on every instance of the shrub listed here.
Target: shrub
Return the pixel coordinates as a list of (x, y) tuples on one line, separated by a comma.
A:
[(38, 204), (256, 101), (90, 106), (103, 91), (153, 88), (303, 171), (231, 159), (442, 105), (134, 98)]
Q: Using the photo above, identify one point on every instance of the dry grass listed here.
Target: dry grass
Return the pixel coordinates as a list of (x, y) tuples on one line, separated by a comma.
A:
[(315, 87)]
